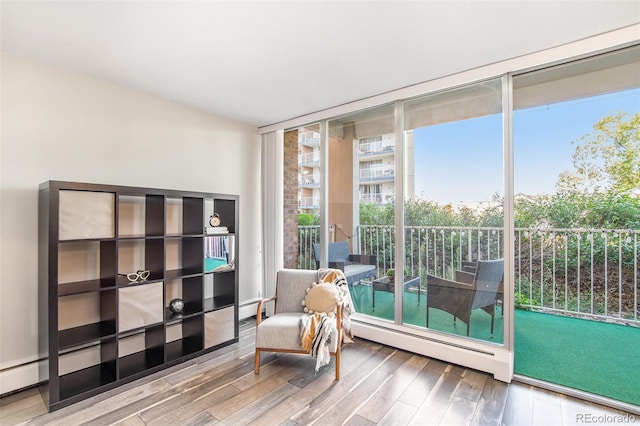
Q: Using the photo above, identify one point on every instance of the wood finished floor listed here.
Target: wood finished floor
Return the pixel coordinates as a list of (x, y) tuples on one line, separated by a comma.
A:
[(379, 386)]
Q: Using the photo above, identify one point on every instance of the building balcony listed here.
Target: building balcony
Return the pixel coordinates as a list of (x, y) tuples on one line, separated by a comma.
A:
[(377, 198), (375, 149), (309, 159), (309, 181), (377, 174), (311, 139), (309, 203)]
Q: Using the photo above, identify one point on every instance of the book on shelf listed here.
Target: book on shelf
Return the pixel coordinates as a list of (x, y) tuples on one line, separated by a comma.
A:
[(213, 230)]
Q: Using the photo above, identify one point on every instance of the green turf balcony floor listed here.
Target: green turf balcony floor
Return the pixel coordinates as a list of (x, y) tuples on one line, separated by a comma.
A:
[(596, 357)]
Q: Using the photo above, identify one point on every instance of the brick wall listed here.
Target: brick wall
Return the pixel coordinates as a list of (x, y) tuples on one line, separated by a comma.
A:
[(291, 199)]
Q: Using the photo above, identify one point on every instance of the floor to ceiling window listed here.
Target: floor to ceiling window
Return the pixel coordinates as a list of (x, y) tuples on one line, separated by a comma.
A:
[(577, 212), (361, 178), (453, 224)]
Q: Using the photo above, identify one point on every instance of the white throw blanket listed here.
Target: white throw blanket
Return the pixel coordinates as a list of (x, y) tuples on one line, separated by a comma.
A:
[(337, 277), (318, 325)]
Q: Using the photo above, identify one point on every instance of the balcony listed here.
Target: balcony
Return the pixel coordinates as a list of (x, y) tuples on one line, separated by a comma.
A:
[(309, 159), (309, 203), (600, 283), (375, 149), (311, 139), (377, 198), (309, 181), (378, 174)]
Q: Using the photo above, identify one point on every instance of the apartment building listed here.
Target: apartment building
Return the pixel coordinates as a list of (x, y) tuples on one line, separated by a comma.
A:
[(376, 168)]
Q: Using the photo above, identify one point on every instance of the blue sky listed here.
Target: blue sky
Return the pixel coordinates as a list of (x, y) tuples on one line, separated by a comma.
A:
[(462, 161)]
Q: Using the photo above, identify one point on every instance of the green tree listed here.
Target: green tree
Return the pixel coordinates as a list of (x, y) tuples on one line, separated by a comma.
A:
[(308, 219), (608, 158), (579, 210), (374, 214)]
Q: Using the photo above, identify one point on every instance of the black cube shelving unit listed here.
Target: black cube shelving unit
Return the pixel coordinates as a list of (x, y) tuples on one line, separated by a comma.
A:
[(90, 328)]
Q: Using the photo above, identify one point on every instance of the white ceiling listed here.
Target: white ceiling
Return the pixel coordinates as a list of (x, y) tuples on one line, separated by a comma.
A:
[(265, 62)]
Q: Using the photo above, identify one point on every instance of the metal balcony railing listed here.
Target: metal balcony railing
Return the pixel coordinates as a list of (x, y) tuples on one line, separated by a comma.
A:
[(377, 198), (309, 158), (377, 173), (309, 203), (375, 148), (591, 273), (309, 180), (309, 138)]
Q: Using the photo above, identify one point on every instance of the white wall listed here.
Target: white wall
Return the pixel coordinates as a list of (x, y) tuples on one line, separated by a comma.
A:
[(58, 125)]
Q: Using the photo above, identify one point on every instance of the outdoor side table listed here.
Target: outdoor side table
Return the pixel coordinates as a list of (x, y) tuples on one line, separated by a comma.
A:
[(385, 284)]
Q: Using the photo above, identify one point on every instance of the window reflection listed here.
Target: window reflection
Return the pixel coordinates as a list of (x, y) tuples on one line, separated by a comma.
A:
[(362, 174)]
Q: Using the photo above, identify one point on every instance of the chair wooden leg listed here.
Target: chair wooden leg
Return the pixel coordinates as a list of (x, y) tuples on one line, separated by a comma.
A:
[(257, 368), (338, 363)]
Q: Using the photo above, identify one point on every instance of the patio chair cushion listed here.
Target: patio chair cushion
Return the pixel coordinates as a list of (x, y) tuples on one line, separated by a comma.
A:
[(355, 267), (357, 271), (282, 332), (322, 297)]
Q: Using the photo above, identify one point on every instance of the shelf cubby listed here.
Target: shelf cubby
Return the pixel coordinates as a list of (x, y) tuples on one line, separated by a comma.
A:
[(219, 250), (87, 262), (192, 216), (219, 290), (190, 341), (140, 254), (84, 317), (140, 215), (150, 352), (131, 216), (184, 256), (140, 306), (220, 326), (86, 368), (86, 215), (85, 380), (226, 208)]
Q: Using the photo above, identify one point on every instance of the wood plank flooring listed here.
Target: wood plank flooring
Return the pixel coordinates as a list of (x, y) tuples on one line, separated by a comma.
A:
[(380, 385)]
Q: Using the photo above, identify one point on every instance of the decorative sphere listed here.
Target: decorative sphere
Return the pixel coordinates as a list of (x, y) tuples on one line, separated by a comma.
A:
[(176, 306)]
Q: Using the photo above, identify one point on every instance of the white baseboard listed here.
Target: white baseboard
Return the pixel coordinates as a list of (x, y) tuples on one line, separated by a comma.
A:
[(496, 361), (19, 377), (247, 309)]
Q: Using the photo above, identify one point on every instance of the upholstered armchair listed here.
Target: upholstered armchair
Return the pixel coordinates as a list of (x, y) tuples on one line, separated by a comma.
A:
[(281, 332)]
